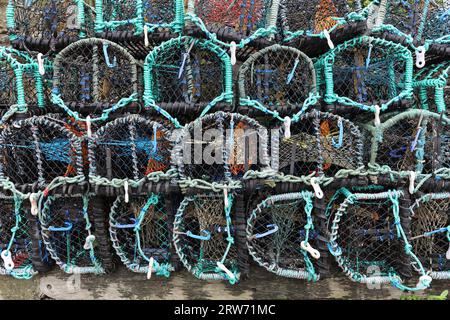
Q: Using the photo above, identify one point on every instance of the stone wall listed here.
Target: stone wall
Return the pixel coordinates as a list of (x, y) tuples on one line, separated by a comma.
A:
[(3, 35)]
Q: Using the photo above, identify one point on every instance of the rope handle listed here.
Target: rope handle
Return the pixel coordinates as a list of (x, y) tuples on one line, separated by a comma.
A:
[(183, 61), (274, 228), (105, 54), (292, 73), (7, 260), (68, 227), (308, 248), (340, 142), (126, 226), (205, 237)]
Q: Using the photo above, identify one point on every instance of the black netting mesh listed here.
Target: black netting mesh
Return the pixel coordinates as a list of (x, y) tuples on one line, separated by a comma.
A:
[(140, 230), (130, 148), (429, 236), (321, 143), (37, 150)]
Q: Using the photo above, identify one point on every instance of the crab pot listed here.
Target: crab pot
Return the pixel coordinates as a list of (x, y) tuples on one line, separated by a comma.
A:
[(141, 233), (94, 77), (415, 140), (21, 84), (367, 72), (220, 147), (23, 254), (303, 22), (127, 18), (231, 20), (47, 25), (131, 147), (278, 78), (419, 19), (37, 150), (207, 237), (74, 232), (319, 142), (432, 88), (189, 77), (365, 236), (276, 230)]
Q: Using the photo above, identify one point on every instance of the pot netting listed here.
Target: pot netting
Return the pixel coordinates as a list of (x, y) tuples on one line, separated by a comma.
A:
[(368, 241), (412, 141), (306, 17), (320, 143), (94, 73), (244, 19), (15, 238), (133, 15), (131, 147), (276, 229), (220, 147), (278, 77), (35, 151), (366, 71), (203, 236), (21, 85), (69, 233), (141, 233), (437, 23), (49, 20), (187, 74), (430, 233)]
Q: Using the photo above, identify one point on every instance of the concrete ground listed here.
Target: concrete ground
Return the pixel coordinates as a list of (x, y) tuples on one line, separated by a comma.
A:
[(123, 284)]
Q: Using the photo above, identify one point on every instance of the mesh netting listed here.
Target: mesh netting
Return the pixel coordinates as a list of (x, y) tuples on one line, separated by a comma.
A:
[(412, 141), (437, 23), (277, 77), (365, 238), (95, 73), (132, 15), (15, 239), (37, 150), (140, 230), (311, 17), (220, 147), (275, 231), (187, 73), (69, 233), (129, 148), (203, 237), (366, 71), (320, 142), (51, 20), (242, 18), (430, 233)]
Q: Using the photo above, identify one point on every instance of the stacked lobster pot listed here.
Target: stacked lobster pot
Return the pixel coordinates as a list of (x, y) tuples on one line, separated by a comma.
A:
[(305, 138)]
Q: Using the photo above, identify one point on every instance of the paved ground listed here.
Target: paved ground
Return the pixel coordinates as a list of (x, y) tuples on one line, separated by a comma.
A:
[(182, 285)]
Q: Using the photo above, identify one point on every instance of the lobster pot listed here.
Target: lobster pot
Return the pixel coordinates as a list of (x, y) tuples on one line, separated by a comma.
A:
[(48, 24), (432, 88), (278, 233), (311, 18), (319, 142), (366, 236), (419, 19), (133, 15), (35, 151), (187, 76), (141, 233), (414, 140), (74, 233), (21, 84), (20, 248), (204, 235), (278, 78), (131, 147), (234, 20), (366, 72), (94, 77), (430, 233), (220, 147)]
